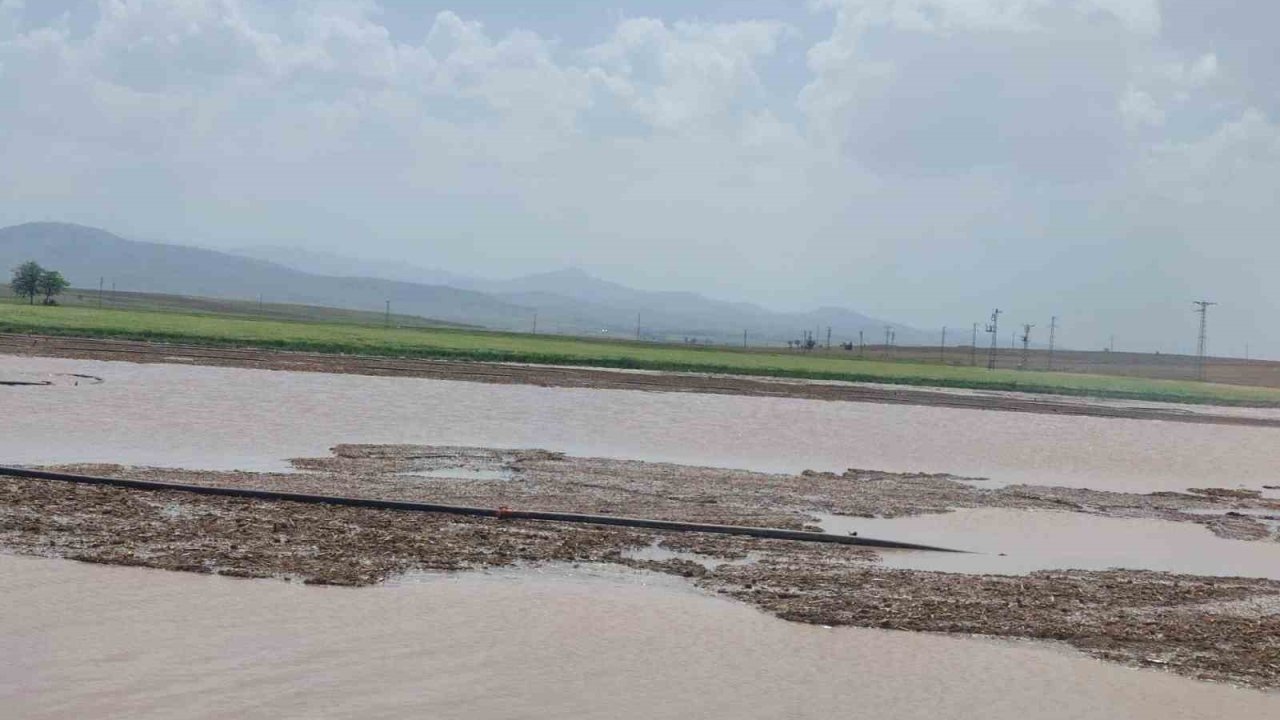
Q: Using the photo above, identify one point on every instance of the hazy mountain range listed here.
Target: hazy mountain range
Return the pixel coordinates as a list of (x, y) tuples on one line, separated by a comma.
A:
[(567, 301)]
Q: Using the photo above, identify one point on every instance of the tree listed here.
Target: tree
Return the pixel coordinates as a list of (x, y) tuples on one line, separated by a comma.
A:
[(51, 283), (26, 280)]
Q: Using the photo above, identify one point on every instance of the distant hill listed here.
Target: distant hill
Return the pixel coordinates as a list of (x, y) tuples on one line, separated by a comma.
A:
[(679, 314), (85, 254), (318, 262), (566, 301), (576, 302)]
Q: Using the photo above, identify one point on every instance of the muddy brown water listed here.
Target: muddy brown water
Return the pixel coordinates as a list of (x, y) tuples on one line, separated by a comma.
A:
[(224, 418), (1016, 542), (153, 644)]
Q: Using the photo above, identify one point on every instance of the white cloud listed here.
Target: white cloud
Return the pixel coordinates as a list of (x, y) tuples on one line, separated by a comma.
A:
[(916, 144), (688, 73), (1140, 110), (939, 16), (1162, 87), (10, 14), (1139, 16), (1237, 164)]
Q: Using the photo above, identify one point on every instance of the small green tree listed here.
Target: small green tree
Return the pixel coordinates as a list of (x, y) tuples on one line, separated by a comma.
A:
[(51, 283), (26, 280)]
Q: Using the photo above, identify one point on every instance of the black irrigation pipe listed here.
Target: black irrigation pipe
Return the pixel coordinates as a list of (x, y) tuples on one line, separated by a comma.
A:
[(500, 513)]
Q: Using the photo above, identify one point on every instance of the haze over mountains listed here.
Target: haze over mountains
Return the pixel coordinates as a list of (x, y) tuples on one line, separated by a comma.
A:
[(568, 301)]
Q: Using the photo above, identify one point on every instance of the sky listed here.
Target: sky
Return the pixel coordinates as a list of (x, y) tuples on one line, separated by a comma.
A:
[(1103, 161)]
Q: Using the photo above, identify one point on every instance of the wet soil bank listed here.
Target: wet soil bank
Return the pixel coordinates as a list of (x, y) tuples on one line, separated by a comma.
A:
[(1204, 627), (576, 377)]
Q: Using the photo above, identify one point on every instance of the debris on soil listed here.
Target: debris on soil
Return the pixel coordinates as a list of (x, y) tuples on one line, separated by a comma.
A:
[(1125, 616), (1205, 627), (554, 482)]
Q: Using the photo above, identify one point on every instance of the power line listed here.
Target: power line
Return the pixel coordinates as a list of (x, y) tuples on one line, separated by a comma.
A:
[(1202, 307), (1053, 327), (994, 329)]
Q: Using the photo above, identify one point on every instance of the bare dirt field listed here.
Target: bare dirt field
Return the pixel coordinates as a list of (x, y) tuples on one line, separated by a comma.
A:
[(1205, 627), (1226, 370)]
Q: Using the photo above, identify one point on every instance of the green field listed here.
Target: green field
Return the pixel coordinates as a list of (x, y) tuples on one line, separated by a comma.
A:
[(366, 339), (157, 302)]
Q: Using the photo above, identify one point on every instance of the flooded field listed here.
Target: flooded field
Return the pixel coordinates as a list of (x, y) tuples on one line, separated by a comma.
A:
[(222, 418), (570, 639), (154, 644)]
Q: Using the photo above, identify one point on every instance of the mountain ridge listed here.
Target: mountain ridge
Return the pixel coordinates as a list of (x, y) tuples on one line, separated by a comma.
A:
[(568, 300)]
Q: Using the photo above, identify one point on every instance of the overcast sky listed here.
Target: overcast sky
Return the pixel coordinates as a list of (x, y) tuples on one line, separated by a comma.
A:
[(1106, 161)]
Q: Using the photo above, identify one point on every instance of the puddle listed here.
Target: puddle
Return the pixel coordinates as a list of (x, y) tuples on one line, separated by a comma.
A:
[(479, 474), (1016, 542), (657, 553), (154, 644), (1247, 512)]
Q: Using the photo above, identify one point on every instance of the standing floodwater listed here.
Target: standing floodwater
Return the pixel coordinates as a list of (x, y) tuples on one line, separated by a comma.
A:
[(153, 644), (220, 418)]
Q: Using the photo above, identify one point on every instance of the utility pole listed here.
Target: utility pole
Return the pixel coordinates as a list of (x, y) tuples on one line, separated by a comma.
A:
[(637, 327), (535, 322), (994, 329), (973, 347), (744, 338), (259, 304), (862, 346), (888, 340), (942, 347), (100, 281), (828, 337), (388, 319), (1202, 307), (1026, 341), (1053, 329)]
